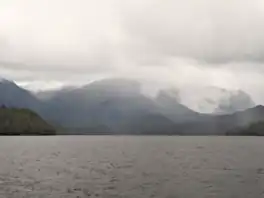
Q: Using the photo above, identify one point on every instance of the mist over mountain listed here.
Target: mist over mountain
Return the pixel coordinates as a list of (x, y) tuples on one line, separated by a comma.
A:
[(169, 103), (220, 124), (253, 129), (236, 101), (216, 100), (118, 106), (211, 51), (104, 100), (11, 95)]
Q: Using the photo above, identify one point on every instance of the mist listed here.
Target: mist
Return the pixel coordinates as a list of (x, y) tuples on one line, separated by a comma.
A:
[(186, 45)]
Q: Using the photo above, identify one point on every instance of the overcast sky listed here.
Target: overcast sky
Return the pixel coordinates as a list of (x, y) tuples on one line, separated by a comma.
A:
[(182, 43)]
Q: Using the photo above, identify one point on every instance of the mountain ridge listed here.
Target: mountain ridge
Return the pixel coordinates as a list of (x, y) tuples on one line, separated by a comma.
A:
[(117, 106), (14, 121)]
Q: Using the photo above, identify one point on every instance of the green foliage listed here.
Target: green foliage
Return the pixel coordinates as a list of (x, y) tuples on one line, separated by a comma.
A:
[(15, 121)]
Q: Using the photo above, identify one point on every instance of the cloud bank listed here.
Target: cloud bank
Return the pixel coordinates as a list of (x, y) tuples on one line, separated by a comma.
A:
[(181, 43)]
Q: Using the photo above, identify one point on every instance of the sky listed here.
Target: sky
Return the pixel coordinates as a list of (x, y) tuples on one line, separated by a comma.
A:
[(178, 43)]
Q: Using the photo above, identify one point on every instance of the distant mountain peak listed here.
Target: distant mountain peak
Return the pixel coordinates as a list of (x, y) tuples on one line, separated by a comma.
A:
[(115, 82), (116, 86), (12, 95), (259, 108), (5, 81)]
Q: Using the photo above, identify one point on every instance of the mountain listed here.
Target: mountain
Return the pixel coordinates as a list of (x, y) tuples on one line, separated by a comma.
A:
[(48, 94), (215, 100), (117, 106), (169, 105), (151, 124), (112, 104), (12, 95), (107, 106), (15, 121), (220, 124), (254, 129), (235, 101)]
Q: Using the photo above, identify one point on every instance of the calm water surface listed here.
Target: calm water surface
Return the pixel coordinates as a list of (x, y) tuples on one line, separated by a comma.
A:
[(131, 167)]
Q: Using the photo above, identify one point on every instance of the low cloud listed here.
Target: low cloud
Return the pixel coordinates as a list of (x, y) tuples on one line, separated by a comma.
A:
[(211, 31), (237, 101), (162, 43)]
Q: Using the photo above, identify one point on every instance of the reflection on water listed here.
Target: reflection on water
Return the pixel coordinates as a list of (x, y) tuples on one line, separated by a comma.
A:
[(131, 166)]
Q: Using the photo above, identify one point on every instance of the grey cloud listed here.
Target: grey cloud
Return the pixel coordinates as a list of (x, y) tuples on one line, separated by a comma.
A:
[(176, 42), (235, 102), (32, 74), (57, 68), (99, 59), (140, 32), (209, 30)]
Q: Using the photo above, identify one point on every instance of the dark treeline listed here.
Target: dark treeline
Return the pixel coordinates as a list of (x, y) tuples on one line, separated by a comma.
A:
[(15, 121)]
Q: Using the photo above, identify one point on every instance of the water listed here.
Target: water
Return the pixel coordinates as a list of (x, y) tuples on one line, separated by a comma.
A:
[(131, 167)]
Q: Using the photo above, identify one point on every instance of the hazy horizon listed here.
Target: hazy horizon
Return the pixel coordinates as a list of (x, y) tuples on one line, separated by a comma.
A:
[(207, 99)]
